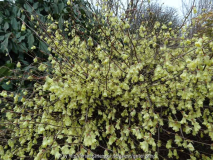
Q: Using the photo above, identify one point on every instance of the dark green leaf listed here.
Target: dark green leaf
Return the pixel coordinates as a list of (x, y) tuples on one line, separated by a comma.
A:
[(7, 87), (28, 8), (4, 71), (6, 26), (42, 18), (1, 38), (10, 46), (15, 10), (39, 10), (30, 40), (43, 46), (15, 48), (28, 68), (61, 22), (35, 5), (25, 62), (23, 17), (10, 65), (7, 13), (22, 48), (14, 23), (21, 38), (18, 34), (61, 7), (55, 8), (19, 13), (46, 8), (4, 44), (65, 10), (8, 35), (75, 9)]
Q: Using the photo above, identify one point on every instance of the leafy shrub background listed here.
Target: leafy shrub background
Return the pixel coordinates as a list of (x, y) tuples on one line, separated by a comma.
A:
[(16, 45)]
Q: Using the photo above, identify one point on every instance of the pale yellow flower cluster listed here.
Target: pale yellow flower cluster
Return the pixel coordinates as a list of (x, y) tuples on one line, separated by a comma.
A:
[(124, 98)]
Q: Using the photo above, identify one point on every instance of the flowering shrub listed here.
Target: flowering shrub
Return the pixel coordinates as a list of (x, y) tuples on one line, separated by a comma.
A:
[(121, 95), (203, 23)]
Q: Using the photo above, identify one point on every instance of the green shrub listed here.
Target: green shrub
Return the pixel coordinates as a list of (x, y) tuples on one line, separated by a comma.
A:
[(17, 46)]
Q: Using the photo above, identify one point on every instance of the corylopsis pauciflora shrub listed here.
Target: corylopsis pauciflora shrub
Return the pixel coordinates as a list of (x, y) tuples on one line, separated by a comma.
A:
[(115, 97)]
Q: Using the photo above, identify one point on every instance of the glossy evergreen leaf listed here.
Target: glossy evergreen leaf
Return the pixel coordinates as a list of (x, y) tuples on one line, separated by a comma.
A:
[(61, 7), (15, 11), (14, 23), (30, 40), (19, 12), (1, 19), (4, 45), (18, 35), (21, 38), (35, 5), (8, 35), (23, 17), (25, 62), (28, 8), (7, 87), (55, 8), (1, 38), (4, 71), (43, 47), (6, 26), (61, 22)]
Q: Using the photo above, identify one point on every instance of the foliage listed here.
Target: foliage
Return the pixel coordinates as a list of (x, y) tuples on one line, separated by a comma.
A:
[(18, 46), (203, 24), (113, 98)]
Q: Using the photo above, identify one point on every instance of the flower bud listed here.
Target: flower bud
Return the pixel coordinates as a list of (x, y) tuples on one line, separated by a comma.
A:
[(18, 65), (68, 2), (23, 27)]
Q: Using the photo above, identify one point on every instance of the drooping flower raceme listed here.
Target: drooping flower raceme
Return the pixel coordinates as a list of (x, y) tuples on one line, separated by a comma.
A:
[(119, 94)]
